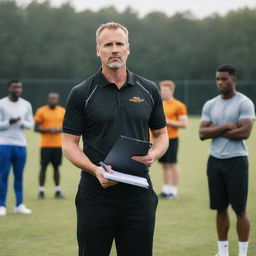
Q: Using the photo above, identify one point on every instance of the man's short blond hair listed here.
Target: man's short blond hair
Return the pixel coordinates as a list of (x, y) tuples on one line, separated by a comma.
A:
[(111, 25), (169, 83)]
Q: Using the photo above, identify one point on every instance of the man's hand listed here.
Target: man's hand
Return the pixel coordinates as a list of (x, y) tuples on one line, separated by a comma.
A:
[(105, 183), (148, 159), (14, 120)]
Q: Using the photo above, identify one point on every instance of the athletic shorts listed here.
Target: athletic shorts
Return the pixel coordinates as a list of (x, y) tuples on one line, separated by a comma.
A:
[(51, 155), (170, 155), (228, 183)]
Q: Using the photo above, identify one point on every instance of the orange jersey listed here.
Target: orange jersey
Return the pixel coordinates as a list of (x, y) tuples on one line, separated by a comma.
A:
[(172, 110), (50, 118)]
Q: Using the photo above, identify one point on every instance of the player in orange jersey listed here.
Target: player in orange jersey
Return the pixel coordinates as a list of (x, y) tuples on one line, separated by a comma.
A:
[(176, 118), (48, 121)]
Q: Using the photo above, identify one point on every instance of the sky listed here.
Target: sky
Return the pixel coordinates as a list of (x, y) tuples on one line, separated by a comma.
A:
[(200, 8)]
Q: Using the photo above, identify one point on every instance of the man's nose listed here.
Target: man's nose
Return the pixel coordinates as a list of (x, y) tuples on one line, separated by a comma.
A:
[(114, 48)]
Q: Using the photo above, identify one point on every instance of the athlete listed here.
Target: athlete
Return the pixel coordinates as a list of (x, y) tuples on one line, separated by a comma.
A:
[(48, 122), (176, 118), (15, 116), (228, 119)]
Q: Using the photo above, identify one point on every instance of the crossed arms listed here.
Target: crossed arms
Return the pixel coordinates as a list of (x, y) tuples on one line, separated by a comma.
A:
[(234, 131)]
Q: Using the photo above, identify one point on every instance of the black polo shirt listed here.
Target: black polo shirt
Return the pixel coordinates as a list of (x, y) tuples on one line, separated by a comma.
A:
[(100, 112)]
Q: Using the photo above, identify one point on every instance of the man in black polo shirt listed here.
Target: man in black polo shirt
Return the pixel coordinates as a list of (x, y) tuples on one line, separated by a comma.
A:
[(111, 103)]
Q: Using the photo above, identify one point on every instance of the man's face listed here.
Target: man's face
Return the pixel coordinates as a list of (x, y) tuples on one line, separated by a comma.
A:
[(15, 90), (53, 100), (166, 92), (225, 82), (113, 48)]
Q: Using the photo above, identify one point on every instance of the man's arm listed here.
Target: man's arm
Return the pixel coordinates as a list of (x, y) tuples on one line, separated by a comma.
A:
[(159, 147), (4, 123), (242, 131), (182, 122), (27, 122), (37, 128), (207, 130), (72, 151)]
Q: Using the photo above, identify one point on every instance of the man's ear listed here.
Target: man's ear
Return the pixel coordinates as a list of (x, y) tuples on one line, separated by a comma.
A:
[(129, 50), (97, 51)]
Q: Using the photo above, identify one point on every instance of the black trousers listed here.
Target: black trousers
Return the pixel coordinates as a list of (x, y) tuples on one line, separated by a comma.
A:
[(130, 221)]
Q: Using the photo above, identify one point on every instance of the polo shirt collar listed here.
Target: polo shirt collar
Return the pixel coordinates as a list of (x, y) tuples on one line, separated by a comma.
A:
[(102, 81)]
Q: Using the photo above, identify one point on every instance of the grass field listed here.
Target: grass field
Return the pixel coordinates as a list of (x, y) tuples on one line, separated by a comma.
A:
[(184, 227)]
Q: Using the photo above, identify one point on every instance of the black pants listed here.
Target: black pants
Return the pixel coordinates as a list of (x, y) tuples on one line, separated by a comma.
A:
[(129, 221)]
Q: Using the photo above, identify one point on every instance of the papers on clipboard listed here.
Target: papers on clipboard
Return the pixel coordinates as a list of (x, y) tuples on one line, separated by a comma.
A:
[(123, 177)]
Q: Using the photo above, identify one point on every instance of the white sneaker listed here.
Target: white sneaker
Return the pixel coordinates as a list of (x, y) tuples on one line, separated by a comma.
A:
[(3, 211), (22, 209)]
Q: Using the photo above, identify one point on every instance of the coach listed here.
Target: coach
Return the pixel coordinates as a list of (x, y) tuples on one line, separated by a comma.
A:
[(111, 103)]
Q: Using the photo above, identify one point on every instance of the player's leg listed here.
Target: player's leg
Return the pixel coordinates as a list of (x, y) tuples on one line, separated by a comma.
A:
[(219, 201), (5, 166), (45, 156), (96, 223), (222, 224), (237, 177), (175, 177), (18, 161), (56, 160), (170, 171), (136, 228)]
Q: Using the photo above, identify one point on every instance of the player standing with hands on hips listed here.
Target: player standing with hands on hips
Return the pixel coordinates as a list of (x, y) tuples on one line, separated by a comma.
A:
[(228, 119), (111, 103), (15, 116)]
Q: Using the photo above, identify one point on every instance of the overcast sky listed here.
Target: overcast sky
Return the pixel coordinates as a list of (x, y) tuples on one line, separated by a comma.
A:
[(201, 8)]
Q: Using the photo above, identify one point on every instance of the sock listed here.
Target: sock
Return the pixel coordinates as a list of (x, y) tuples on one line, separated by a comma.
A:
[(57, 188), (223, 248), (166, 189), (41, 188), (243, 248), (174, 190)]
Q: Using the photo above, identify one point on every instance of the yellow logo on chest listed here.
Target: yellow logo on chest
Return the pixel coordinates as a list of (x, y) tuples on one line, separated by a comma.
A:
[(136, 99)]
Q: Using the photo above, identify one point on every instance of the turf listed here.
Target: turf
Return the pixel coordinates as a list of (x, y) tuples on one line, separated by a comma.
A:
[(184, 227)]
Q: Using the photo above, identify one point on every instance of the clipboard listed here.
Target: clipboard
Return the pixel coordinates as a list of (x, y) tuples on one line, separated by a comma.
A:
[(120, 155), (124, 177)]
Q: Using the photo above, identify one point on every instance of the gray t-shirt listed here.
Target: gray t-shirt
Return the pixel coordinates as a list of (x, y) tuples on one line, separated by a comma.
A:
[(219, 111)]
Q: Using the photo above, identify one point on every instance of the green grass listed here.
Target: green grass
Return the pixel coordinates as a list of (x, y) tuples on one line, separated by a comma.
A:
[(185, 227)]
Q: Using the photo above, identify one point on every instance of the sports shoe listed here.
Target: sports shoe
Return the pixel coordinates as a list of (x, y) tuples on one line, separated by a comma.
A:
[(22, 209), (59, 195), (3, 211), (41, 195), (170, 196)]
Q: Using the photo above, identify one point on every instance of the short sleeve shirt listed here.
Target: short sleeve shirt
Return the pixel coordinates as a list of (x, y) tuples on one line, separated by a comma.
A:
[(173, 109), (219, 111), (50, 118), (100, 112)]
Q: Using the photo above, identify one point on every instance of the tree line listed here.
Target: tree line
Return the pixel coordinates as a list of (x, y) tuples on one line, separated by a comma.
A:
[(41, 41)]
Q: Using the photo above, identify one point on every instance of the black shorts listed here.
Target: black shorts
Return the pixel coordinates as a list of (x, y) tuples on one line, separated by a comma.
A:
[(228, 183), (170, 155), (51, 155)]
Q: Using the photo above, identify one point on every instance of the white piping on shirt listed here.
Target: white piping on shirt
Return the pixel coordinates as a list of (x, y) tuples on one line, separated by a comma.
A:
[(146, 91), (87, 100)]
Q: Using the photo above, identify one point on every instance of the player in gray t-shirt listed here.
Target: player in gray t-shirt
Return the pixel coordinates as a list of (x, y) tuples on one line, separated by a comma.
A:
[(228, 119)]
